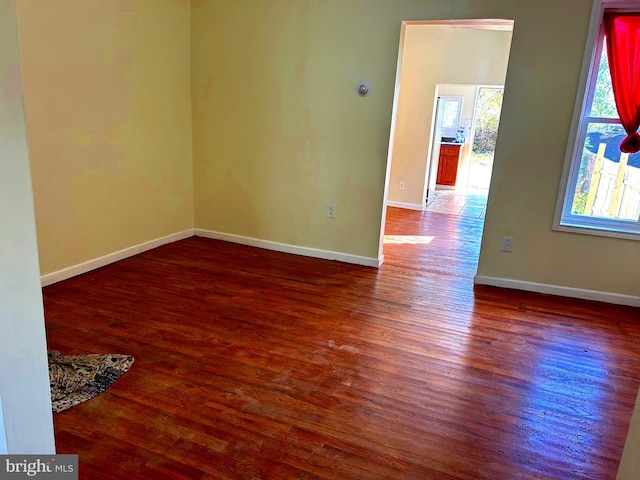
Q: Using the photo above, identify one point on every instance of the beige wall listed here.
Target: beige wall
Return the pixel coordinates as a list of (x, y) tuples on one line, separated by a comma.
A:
[(539, 97), (432, 55), (24, 378), (468, 94), (279, 132), (108, 105)]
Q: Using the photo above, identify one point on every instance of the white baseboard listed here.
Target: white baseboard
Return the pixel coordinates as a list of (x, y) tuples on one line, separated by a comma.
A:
[(89, 265), (408, 206), (286, 248), (607, 297)]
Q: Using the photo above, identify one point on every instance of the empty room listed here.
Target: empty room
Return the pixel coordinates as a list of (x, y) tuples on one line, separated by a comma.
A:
[(201, 222)]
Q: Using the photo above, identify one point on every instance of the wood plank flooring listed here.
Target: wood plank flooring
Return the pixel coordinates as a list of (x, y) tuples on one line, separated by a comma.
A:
[(253, 364)]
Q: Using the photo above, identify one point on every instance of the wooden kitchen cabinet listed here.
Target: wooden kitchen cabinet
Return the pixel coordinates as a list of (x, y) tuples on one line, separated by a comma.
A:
[(448, 165)]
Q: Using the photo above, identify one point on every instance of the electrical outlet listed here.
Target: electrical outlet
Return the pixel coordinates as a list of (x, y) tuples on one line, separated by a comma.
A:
[(507, 244), (402, 185), (331, 211)]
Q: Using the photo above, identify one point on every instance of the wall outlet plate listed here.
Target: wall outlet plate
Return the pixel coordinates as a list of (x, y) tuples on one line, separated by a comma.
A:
[(507, 244), (331, 211)]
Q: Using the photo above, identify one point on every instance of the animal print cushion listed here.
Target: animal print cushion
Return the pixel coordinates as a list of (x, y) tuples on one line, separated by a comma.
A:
[(77, 378)]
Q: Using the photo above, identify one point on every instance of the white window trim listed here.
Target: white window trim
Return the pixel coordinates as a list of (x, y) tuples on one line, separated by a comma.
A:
[(599, 227)]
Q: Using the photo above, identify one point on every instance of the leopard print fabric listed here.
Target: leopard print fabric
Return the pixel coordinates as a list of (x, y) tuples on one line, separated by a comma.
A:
[(77, 378)]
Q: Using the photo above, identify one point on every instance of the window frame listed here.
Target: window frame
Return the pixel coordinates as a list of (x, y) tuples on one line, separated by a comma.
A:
[(564, 220)]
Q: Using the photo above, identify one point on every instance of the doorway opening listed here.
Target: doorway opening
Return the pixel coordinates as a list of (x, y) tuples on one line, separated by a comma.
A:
[(485, 133), (464, 166), (423, 158)]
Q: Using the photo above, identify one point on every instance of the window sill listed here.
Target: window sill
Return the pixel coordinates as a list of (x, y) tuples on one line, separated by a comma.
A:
[(599, 231)]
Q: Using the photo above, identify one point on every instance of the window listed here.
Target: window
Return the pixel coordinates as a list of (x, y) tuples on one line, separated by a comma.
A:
[(601, 186), (451, 107)]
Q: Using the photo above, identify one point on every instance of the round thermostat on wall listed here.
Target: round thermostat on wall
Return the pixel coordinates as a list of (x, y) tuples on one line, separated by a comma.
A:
[(363, 89)]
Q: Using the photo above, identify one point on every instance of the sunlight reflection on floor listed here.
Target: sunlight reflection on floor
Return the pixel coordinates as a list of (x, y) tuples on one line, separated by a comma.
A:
[(408, 239)]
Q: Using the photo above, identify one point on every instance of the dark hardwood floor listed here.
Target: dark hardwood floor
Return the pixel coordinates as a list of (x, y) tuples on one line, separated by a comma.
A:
[(252, 364)]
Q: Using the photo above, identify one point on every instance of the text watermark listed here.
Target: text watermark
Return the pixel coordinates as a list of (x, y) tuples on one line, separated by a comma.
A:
[(50, 467)]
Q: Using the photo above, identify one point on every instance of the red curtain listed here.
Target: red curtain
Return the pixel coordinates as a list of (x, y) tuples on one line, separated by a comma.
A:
[(623, 48)]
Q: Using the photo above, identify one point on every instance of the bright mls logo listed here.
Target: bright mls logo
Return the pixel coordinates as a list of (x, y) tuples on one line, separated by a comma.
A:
[(51, 467)]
